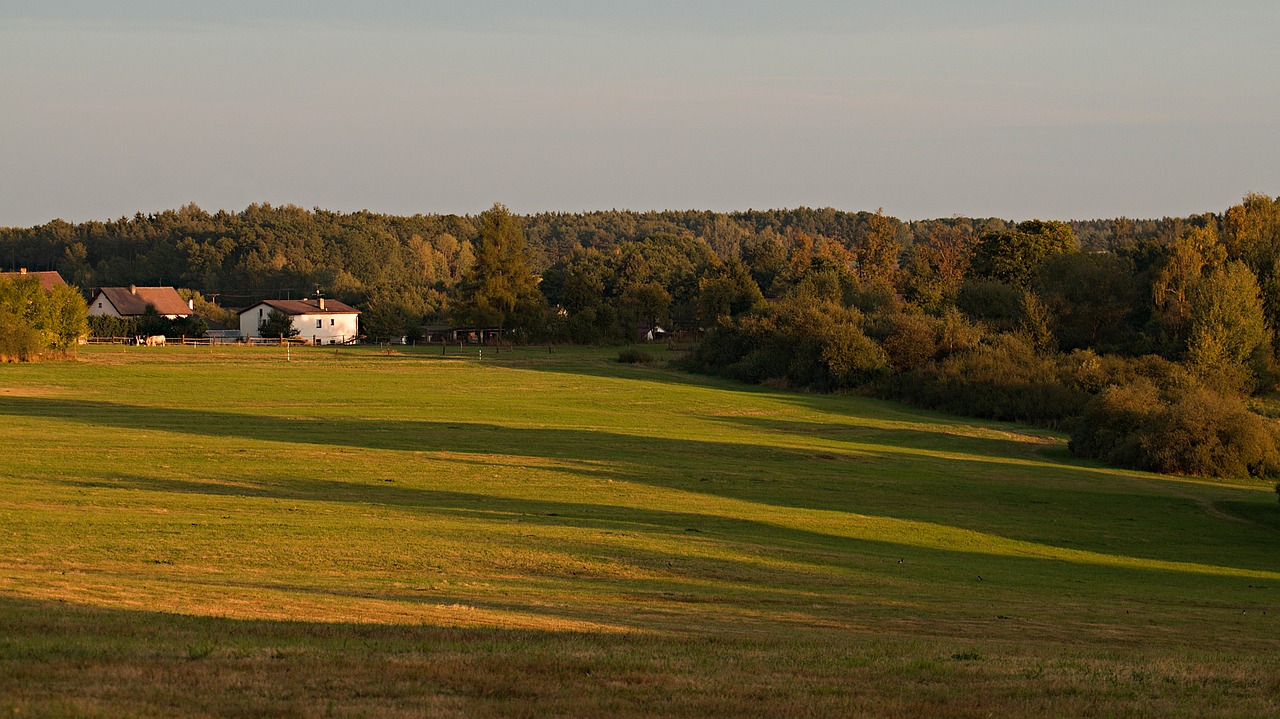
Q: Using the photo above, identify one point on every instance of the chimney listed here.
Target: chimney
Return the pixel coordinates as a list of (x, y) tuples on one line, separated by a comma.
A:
[(133, 289), (321, 303)]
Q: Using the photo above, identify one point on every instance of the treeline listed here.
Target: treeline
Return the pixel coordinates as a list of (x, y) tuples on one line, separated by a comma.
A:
[(1145, 352), (405, 271), (1114, 329)]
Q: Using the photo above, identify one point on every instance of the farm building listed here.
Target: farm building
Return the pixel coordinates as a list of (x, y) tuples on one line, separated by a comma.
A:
[(319, 321), (132, 301), (48, 280)]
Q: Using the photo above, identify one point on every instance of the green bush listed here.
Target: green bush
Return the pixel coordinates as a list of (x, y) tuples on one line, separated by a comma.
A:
[(108, 326), (18, 341), (1005, 379), (632, 355), (849, 357), (150, 323), (1114, 425), (1183, 431), (910, 341), (795, 343), (1208, 434), (35, 321)]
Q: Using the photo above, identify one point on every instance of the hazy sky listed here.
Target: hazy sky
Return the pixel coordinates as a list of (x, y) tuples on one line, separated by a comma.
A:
[(1010, 108)]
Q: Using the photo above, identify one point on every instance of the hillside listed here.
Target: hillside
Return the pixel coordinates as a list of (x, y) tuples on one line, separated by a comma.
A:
[(353, 533)]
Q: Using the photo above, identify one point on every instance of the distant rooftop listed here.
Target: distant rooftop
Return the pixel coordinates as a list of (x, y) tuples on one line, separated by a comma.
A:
[(48, 280), (311, 307), (132, 301)]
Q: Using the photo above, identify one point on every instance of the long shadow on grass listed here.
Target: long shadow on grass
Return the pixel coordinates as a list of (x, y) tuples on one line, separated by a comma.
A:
[(798, 572), (857, 479)]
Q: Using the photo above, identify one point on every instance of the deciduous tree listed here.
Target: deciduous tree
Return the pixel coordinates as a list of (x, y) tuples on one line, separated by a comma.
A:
[(1230, 344), (1012, 257)]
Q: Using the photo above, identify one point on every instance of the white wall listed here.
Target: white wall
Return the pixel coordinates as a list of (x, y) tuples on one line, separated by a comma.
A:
[(251, 318), (333, 328), (107, 308)]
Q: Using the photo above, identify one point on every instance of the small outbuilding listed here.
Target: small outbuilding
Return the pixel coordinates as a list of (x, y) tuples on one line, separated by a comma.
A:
[(319, 320), (132, 301)]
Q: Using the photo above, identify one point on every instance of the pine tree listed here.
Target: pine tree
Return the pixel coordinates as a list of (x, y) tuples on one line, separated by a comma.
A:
[(499, 290)]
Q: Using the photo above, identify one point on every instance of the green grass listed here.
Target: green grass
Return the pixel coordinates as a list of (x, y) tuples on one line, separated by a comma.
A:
[(363, 533)]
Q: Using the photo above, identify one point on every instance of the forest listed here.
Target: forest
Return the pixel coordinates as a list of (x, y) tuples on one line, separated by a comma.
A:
[(1145, 339)]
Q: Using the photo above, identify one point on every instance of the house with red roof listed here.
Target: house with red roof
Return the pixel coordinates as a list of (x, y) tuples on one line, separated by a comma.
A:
[(132, 301), (319, 321), (48, 280)]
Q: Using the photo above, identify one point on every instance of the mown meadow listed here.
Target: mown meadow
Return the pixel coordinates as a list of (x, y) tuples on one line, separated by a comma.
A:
[(355, 532)]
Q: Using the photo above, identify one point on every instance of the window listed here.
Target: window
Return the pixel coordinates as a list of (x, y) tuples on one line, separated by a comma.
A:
[(259, 312), (319, 324), (330, 321), (99, 305)]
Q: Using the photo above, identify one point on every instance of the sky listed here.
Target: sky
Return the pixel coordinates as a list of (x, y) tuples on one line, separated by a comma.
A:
[(1007, 108)]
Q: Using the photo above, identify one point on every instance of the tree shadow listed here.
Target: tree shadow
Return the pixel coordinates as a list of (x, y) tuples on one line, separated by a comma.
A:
[(784, 567), (845, 479)]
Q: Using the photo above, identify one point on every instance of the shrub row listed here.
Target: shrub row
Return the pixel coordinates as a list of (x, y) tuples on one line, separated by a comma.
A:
[(1196, 431), (150, 323), (1146, 412)]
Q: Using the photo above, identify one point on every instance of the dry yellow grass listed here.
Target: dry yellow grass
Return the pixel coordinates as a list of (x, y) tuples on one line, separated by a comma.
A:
[(230, 534)]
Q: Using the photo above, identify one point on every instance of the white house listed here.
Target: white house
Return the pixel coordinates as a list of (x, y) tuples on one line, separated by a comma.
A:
[(132, 301), (318, 320)]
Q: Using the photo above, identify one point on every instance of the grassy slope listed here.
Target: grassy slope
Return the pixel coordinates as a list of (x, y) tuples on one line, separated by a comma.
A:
[(351, 533)]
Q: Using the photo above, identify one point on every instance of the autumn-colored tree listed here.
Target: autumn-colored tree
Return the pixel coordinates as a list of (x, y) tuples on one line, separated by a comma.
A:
[(876, 250), (1251, 231), (936, 264)]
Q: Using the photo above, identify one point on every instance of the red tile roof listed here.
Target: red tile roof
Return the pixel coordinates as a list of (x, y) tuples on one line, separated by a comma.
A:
[(48, 280), (311, 307), (133, 301)]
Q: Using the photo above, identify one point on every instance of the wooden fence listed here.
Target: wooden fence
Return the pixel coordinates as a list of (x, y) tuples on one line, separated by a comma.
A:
[(206, 341)]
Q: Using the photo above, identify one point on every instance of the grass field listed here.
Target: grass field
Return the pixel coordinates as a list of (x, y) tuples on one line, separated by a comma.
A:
[(358, 533)]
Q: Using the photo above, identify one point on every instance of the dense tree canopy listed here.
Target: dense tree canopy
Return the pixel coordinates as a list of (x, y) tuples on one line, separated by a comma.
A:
[(34, 320), (1014, 256), (1032, 321)]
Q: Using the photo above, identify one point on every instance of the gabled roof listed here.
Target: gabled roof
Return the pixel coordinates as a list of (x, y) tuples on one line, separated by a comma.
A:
[(309, 307), (133, 301), (48, 280)]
